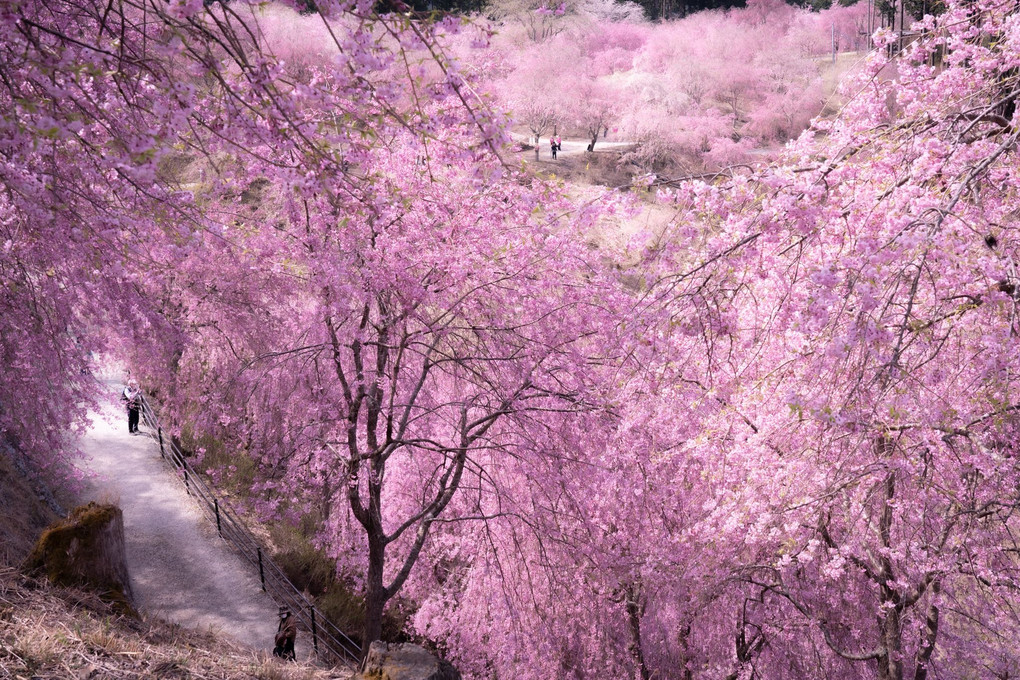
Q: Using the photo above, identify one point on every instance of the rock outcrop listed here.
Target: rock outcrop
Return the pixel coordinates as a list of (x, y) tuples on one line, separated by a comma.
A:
[(404, 662), (86, 550)]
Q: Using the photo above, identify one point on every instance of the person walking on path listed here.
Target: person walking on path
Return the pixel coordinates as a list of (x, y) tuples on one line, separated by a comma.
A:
[(132, 398), (552, 147), (286, 633), (559, 143)]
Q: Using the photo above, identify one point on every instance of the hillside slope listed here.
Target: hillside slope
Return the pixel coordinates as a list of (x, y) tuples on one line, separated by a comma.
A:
[(50, 633), (23, 511)]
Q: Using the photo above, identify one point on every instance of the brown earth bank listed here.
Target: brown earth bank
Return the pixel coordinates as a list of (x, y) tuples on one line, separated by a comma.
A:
[(51, 633), (24, 509)]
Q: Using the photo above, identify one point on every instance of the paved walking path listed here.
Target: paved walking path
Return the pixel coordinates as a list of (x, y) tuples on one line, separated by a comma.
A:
[(180, 569), (571, 147)]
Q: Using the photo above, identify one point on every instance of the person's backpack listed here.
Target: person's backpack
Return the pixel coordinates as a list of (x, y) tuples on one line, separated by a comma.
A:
[(131, 400)]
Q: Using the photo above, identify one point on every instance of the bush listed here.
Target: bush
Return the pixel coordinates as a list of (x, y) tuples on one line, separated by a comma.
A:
[(307, 569), (336, 599)]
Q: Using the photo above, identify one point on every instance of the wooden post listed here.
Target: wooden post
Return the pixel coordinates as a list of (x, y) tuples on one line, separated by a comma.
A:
[(162, 451), (315, 633), (903, 17), (216, 504), (262, 574)]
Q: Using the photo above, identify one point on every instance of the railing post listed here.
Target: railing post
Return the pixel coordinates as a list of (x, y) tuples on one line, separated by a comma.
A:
[(162, 452), (315, 634), (262, 574), (187, 486), (216, 503)]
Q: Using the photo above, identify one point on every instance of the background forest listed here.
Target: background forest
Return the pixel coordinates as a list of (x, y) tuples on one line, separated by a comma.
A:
[(775, 437)]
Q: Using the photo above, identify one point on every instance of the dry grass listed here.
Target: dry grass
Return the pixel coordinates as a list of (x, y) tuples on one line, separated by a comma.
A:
[(832, 74), (49, 633)]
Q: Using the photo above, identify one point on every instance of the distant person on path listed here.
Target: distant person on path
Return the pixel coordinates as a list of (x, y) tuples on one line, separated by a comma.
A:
[(132, 398), (552, 147), (559, 143), (286, 632)]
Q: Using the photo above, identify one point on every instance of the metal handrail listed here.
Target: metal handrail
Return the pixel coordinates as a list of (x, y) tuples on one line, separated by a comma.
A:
[(329, 642)]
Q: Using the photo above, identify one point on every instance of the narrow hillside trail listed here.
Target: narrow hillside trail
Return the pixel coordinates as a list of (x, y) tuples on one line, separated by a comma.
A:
[(180, 569)]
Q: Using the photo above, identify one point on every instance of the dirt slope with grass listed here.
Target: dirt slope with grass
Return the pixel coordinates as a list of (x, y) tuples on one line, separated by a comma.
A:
[(23, 510), (49, 633)]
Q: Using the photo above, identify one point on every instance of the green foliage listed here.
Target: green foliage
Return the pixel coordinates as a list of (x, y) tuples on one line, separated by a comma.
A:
[(449, 6), (315, 573), (233, 469), (891, 9), (307, 569), (345, 609)]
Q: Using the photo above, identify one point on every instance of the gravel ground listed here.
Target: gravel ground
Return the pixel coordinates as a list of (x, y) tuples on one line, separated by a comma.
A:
[(180, 569)]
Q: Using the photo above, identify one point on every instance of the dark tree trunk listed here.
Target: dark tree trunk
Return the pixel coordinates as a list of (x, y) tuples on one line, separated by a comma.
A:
[(635, 609), (375, 593), (890, 666), (682, 638), (928, 637)]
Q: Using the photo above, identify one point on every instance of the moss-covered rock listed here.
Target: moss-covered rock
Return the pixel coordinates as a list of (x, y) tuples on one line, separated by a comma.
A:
[(86, 550)]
